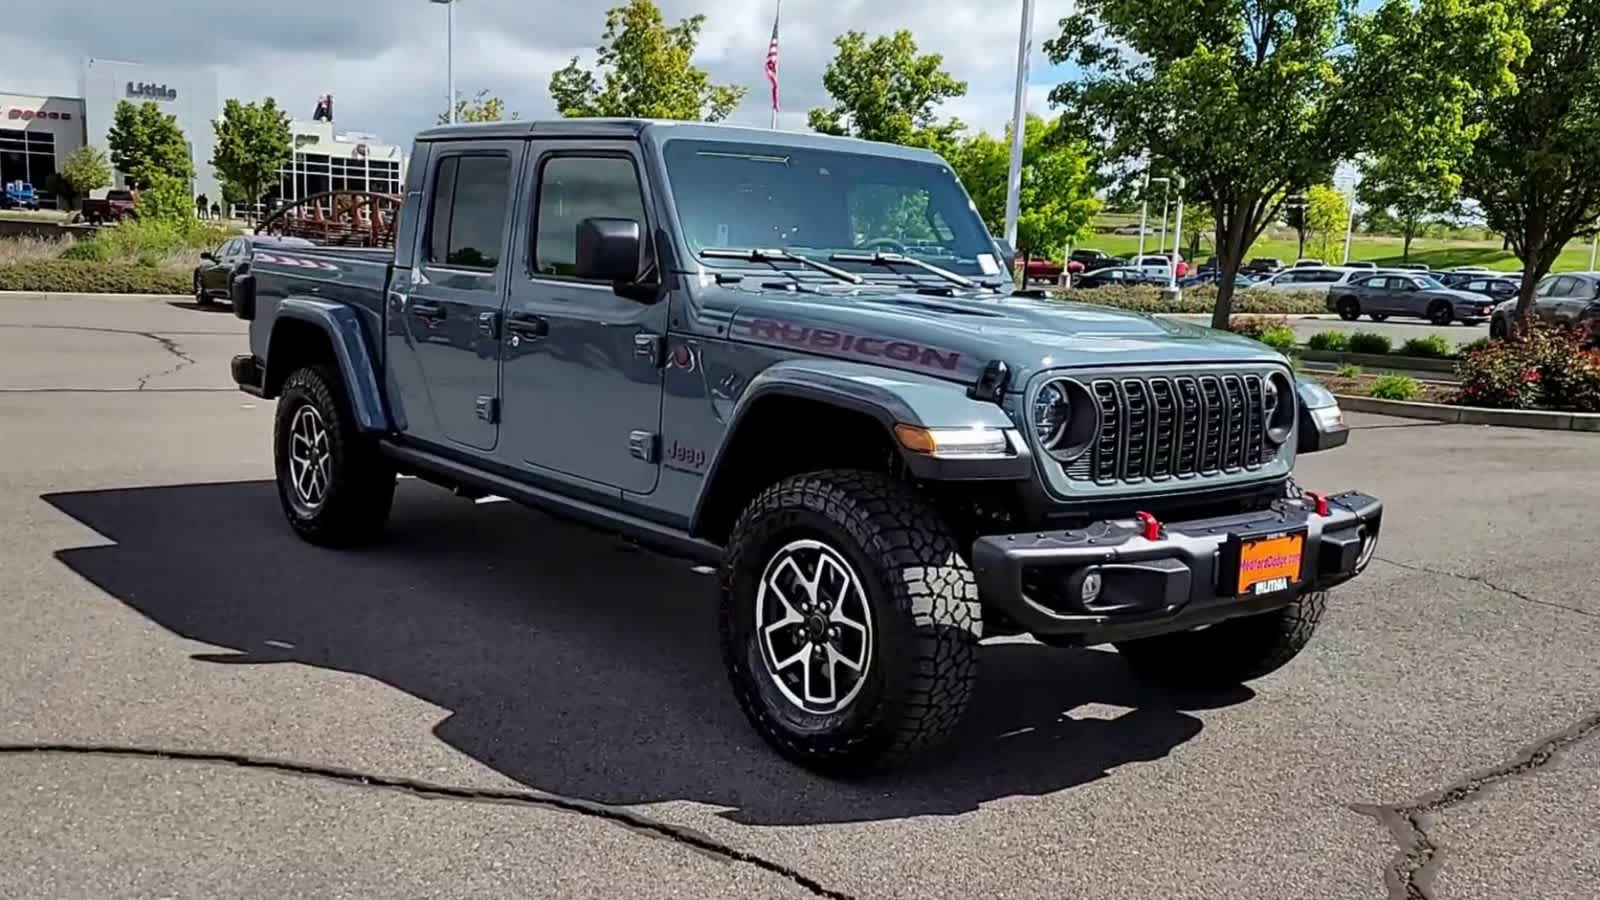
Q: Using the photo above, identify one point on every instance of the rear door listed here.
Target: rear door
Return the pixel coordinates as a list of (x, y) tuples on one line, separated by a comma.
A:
[(1572, 306), (582, 368), (1551, 296), (443, 340)]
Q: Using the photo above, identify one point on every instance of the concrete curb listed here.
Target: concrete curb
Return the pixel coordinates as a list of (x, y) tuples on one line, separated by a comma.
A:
[(1472, 415), (1381, 361), (44, 295)]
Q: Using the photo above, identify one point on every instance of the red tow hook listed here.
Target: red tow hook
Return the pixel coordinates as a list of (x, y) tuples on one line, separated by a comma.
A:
[(1150, 524), (1321, 500)]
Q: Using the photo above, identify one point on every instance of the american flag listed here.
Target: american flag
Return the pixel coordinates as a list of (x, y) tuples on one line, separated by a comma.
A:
[(772, 63)]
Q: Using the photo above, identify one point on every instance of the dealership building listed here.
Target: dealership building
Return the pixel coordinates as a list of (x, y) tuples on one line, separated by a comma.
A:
[(38, 133)]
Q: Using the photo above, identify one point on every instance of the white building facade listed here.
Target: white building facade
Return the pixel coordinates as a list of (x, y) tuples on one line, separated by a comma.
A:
[(188, 94), (37, 134)]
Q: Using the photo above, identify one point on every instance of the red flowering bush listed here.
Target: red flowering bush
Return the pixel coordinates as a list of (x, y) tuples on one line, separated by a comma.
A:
[(1546, 369)]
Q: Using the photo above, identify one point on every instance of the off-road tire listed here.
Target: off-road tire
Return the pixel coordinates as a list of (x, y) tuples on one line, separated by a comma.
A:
[(926, 620), (360, 490), (1349, 309), (1230, 652)]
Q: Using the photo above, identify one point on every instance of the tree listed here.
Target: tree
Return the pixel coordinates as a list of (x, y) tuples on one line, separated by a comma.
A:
[(84, 171), (483, 107), (1326, 216), (648, 72), (1408, 194), (884, 90), (1057, 202), (1533, 165), (165, 198), (146, 143), (253, 142), (1249, 99)]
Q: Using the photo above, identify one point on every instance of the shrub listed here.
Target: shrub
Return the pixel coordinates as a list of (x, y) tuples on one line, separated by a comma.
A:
[(1347, 370), (1201, 300), (1545, 369), (81, 277), (1279, 338), (1434, 346), (165, 199), (1336, 341), (1474, 346), (1395, 387), (1256, 326), (1367, 342)]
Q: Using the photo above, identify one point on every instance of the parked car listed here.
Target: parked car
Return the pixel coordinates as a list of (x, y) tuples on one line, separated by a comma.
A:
[(1263, 265), (1212, 276), (1118, 275), (1412, 267), (1159, 264), (1132, 230), (1095, 259), (113, 207), (1307, 280), (1490, 286), (1308, 263), (1367, 264), (1041, 268), (1407, 294), (883, 476), (1572, 300), (19, 195), (213, 277)]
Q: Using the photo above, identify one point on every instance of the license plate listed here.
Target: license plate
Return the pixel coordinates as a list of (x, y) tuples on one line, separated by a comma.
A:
[(1269, 565)]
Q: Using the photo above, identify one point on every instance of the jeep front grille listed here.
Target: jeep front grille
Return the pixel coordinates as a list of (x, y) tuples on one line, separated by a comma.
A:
[(1153, 427)]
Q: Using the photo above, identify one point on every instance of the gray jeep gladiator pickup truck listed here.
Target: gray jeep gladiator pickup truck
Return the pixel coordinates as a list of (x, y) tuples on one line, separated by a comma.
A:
[(803, 359)]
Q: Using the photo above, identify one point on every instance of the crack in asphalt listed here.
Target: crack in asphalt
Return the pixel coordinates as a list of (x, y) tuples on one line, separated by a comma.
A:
[(1410, 875), (1485, 582), (164, 339), (433, 791)]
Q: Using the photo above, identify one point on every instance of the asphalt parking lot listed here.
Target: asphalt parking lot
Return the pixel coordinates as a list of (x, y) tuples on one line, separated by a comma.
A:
[(195, 704)]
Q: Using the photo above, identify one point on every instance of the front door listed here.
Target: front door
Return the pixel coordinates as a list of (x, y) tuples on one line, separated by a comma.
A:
[(582, 371), (443, 339), (216, 274)]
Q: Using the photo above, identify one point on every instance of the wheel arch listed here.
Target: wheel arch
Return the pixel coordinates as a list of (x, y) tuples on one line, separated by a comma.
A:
[(306, 332), (809, 415)]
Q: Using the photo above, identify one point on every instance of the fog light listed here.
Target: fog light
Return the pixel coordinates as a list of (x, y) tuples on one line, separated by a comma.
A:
[(1091, 588)]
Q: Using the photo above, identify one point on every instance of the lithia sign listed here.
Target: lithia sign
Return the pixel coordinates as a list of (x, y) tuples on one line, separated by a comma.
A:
[(151, 91)]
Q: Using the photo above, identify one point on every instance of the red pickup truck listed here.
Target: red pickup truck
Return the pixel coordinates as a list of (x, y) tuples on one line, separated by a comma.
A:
[(114, 207)]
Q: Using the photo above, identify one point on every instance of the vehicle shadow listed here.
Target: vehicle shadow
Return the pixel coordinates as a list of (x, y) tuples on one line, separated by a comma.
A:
[(575, 663), (216, 306)]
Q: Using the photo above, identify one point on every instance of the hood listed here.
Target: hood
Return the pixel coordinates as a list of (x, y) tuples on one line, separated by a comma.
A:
[(956, 337), (1461, 296)]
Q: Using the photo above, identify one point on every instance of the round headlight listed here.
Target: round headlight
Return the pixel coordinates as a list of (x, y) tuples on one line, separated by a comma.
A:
[(1271, 397), (1051, 412)]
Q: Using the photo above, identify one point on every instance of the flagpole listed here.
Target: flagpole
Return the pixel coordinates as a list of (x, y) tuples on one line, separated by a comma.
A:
[(776, 15), (1018, 125)]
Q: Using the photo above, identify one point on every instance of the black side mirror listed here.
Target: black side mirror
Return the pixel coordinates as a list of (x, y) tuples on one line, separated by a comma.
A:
[(610, 250), (208, 256)]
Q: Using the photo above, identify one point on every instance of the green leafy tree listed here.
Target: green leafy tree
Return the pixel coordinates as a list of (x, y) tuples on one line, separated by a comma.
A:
[(1407, 193), (165, 198), (1326, 215), (1533, 166), (1249, 99), (253, 142), (147, 143), (483, 107), (84, 171), (884, 90), (1197, 227), (648, 72), (1057, 203)]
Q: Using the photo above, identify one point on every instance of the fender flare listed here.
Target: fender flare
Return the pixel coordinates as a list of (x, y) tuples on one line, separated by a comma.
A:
[(889, 397), (354, 358)]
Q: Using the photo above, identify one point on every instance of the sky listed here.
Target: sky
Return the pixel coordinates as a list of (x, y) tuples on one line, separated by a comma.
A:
[(384, 60)]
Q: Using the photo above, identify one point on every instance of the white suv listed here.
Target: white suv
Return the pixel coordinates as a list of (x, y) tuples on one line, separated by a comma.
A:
[(1309, 279)]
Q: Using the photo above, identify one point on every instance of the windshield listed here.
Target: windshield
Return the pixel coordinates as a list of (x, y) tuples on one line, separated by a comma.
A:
[(821, 202), (1427, 282)]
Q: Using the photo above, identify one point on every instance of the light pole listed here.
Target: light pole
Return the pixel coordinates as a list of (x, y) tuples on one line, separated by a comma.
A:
[(1177, 239), (450, 52), (1166, 207), (1019, 113), (1144, 210)]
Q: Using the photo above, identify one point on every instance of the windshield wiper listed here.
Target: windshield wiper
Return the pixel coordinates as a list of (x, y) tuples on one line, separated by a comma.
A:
[(900, 259), (772, 257)]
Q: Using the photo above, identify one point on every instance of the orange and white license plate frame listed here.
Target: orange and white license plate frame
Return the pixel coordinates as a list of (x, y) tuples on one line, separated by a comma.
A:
[(1261, 565)]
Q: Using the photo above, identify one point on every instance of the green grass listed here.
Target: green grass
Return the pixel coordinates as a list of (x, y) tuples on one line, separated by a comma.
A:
[(1385, 251)]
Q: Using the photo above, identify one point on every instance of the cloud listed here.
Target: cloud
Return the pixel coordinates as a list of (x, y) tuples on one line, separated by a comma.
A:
[(384, 60)]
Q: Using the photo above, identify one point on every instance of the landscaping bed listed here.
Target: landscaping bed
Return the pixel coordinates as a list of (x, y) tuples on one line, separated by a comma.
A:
[(135, 257), (68, 276), (1148, 299)]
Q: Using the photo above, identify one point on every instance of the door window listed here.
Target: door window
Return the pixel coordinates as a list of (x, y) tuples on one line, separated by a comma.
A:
[(574, 188), (470, 196)]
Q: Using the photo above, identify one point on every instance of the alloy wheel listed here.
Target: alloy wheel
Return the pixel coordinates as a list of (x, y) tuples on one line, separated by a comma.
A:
[(814, 627), (310, 457)]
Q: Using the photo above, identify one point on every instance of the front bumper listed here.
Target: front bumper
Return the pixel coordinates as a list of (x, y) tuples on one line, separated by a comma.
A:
[(1182, 579)]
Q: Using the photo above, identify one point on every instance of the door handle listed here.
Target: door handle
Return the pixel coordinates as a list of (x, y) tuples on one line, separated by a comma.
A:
[(428, 310), (524, 325)]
